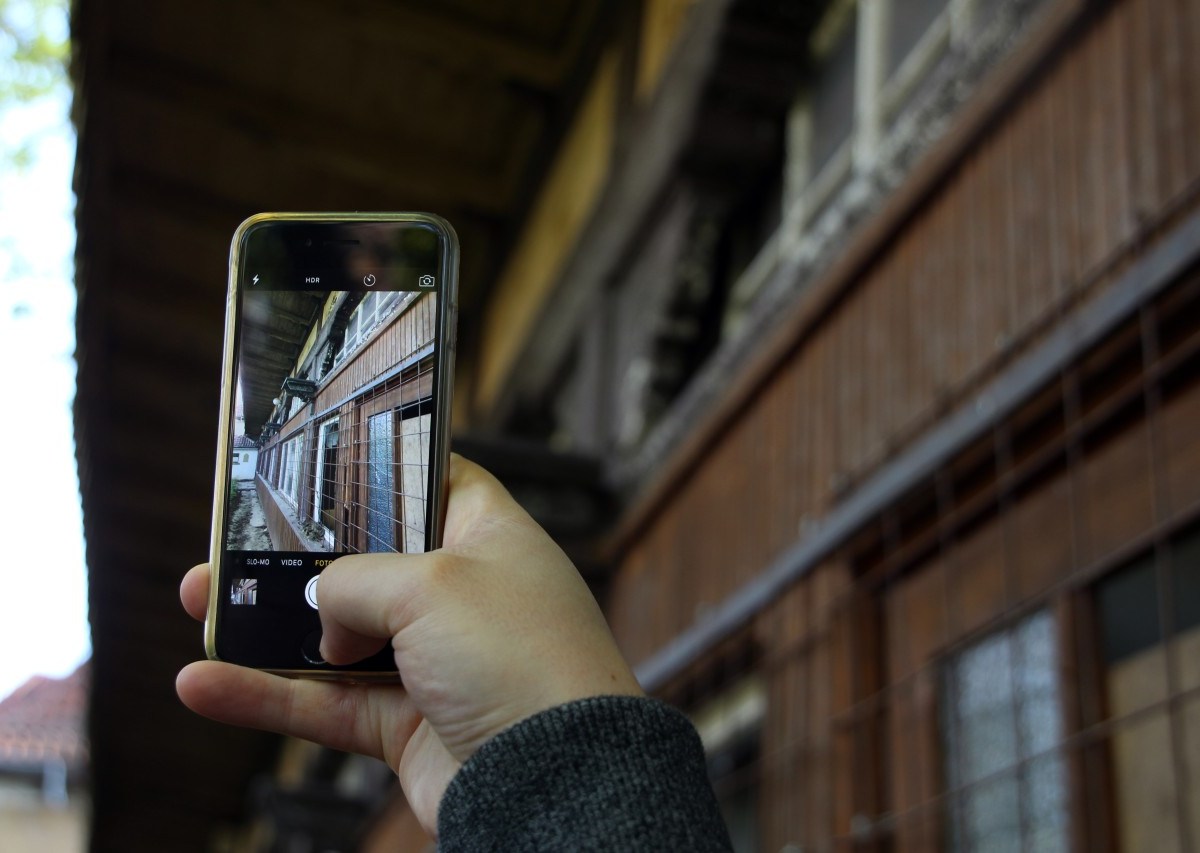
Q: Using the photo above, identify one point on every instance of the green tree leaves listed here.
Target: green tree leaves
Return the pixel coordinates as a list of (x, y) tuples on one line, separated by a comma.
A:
[(33, 54)]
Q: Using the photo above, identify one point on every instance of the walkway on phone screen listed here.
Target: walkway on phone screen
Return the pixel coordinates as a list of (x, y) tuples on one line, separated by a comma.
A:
[(247, 522)]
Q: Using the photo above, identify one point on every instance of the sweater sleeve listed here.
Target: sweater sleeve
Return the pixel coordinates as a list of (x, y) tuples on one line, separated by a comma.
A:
[(608, 773)]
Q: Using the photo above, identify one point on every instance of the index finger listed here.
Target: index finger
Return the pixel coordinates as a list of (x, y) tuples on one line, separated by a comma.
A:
[(193, 591), (474, 495)]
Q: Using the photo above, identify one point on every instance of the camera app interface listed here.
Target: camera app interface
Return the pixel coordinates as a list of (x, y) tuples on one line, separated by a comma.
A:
[(334, 408)]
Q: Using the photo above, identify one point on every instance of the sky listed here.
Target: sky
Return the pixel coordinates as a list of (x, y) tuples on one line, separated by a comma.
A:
[(43, 606)]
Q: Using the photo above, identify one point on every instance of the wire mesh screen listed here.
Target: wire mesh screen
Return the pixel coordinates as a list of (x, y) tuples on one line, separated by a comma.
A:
[(1008, 659), (350, 470), (1024, 645)]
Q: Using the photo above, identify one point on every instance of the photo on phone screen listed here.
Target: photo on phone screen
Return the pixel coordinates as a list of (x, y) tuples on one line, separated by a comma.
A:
[(333, 429), (335, 443)]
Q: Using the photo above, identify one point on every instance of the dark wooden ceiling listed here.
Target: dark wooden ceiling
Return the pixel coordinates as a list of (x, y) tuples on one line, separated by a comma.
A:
[(272, 340), (191, 117)]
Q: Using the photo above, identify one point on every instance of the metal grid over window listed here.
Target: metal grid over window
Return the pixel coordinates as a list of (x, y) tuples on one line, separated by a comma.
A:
[(362, 484), (1020, 639), (352, 472), (1009, 657), (389, 481)]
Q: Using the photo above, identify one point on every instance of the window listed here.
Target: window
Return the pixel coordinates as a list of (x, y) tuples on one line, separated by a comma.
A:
[(380, 484), (354, 331), (291, 466), (832, 89), (387, 301), (869, 62), (370, 313), (1001, 722), (917, 34), (820, 126), (326, 476), (1148, 616), (397, 477), (415, 425)]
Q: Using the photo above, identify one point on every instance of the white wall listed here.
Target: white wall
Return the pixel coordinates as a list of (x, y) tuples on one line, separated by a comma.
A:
[(245, 470)]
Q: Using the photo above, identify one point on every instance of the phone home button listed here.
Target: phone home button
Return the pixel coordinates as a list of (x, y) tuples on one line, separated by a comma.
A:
[(311, 648)]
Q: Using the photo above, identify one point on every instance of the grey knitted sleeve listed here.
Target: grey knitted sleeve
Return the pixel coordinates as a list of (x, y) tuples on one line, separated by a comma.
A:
[(609, 773)]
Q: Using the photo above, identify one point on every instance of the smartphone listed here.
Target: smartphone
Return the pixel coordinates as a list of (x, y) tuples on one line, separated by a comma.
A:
[(334, 422)]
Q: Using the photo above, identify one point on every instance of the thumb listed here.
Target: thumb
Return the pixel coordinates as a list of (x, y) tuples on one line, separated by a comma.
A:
[(366, 598)]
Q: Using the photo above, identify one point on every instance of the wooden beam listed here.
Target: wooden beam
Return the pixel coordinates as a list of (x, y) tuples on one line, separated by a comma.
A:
[(504, 52), (191, 110)]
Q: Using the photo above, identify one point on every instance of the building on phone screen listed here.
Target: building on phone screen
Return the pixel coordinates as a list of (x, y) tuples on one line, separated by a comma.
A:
[(338, 389)]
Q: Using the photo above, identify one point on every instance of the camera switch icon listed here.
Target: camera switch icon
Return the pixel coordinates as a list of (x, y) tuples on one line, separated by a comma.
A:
[(425, 281)]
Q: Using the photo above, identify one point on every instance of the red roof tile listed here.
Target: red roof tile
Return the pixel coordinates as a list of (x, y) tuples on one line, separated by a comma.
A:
[(46, 718)]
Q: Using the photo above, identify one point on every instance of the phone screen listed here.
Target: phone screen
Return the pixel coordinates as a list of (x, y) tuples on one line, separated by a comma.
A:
[(336, 440)]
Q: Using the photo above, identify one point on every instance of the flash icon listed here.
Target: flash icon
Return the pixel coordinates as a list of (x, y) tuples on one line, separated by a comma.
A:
[(254, 280)]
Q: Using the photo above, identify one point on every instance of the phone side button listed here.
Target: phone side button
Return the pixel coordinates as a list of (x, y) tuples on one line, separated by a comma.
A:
[(311, 648)]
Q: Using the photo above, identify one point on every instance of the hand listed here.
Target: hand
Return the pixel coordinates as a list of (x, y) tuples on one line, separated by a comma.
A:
[(490, 629)]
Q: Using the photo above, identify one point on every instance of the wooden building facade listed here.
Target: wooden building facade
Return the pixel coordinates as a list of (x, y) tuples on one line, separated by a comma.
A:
[(345, 466), (898, 373)]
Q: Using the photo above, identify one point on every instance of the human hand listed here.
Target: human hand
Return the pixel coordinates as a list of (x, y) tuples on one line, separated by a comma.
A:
[(492, 628)]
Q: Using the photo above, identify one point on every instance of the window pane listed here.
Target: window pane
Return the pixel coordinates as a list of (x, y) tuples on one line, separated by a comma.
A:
[(1190, 720), (1036, 683), (1185, 581), (833, 96), (1185, 595), (1131, 638), (367, 321), (414, 461), (380, 484), (910, 20), (1128, 603), (1044, 789), (387, 301), (297, 462), (991, 822), (1146, 790), (982, 697), (1001, 724)]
